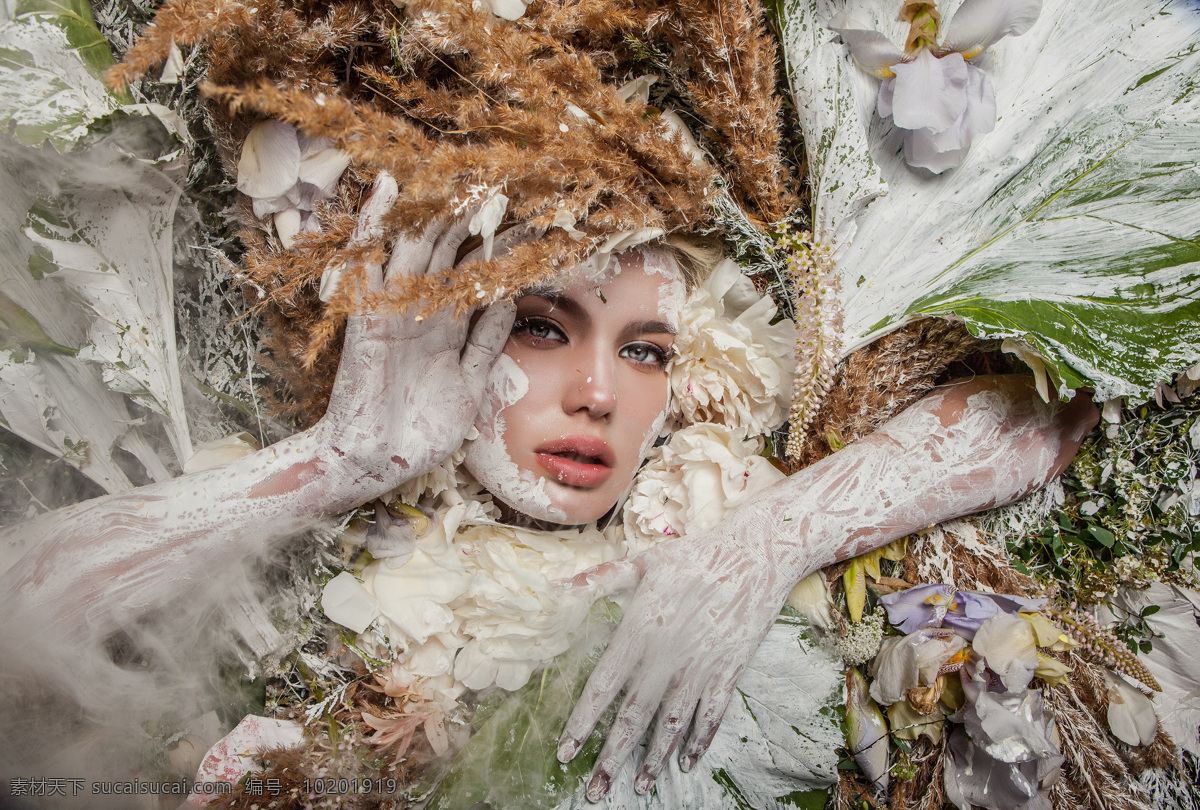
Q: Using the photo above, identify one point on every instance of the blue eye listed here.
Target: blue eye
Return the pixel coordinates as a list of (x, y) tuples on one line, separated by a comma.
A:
[(539, 330), (647, 354)]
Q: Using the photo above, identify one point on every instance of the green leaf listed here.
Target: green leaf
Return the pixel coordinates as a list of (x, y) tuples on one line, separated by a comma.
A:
[(75, 19), (1104, 536), (1074, 226)]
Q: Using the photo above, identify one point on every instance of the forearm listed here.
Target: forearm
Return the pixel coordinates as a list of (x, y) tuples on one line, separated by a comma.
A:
[(118, 555), (963, 449)]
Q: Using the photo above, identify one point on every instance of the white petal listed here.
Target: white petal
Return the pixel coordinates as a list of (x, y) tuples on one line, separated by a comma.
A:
[(173, 68), (265, 206), (287, 225), (871, 49), (506, 9), (270, 161), (1130, 713), (323, 169), (219, 451), (887, 91), (637, 90), (487, 219), (1032, 359), (921, 152), (930, 93), (979, 23), (564, 219), (331, 279), (348, 603), (978, 118), (693, 150)]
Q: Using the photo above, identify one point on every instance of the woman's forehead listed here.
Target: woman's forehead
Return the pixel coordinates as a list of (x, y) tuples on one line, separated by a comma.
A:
[(643, 275)]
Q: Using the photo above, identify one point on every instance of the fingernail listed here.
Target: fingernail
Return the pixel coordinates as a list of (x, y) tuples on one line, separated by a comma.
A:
[(687, 763), (598, 786), (567, 749), (643, 783)]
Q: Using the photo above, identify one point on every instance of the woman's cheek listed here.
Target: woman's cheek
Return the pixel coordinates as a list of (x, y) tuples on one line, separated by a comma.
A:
[(488, 457)]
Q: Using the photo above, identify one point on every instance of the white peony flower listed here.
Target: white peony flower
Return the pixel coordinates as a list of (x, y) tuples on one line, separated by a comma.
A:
[(478, 609), (514, 621), (732, 366), (933, 93), (703, 472)]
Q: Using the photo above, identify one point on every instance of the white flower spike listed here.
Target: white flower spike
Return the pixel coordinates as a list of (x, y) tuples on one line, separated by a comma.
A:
[(934, 94)]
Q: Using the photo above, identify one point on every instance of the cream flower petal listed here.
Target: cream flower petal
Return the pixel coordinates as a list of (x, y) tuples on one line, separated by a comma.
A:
[(346, 602), (270, 161), (1130, 713), (173, 67), (323, 168), (978, 24), (676, 125), (871, 49), (637, 90), (287, 225), (487, 219), (211, 454), (1007, 644), (930, 93), (505, 9)]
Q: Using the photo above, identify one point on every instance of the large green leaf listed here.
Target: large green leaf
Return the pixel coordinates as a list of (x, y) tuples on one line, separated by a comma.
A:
[(87, 272), (74, 18), (51, 59), (1074, 225)]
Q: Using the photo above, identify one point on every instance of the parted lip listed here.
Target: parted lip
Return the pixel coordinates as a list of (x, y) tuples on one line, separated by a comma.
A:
[(577, 461), (580, 445)]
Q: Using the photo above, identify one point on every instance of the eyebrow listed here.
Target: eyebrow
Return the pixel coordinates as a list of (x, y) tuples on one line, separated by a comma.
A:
[(560, 300)]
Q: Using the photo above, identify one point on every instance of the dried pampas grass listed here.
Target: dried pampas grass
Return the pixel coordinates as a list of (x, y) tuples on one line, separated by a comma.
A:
[(458, 104)]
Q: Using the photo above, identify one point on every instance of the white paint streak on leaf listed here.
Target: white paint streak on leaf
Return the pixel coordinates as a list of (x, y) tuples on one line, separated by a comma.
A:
[(86, 241), (1072, 226), (46, 90)]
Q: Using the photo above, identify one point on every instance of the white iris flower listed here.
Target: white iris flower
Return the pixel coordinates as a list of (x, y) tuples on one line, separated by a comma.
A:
[(932, 92)]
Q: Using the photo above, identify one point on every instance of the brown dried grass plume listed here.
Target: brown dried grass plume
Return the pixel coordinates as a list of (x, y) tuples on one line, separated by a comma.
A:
[(455, 103)]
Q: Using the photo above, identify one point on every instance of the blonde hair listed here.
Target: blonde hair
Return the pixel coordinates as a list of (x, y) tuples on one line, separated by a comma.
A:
[(697, 256)]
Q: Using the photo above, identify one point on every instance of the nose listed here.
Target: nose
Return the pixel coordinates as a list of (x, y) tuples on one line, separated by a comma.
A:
[(595, 389)]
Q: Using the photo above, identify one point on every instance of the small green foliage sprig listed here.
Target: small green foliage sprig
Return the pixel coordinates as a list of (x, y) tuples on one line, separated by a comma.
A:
[(1126, 520)]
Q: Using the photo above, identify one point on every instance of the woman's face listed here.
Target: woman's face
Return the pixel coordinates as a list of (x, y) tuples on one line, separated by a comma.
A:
[(580, 393)]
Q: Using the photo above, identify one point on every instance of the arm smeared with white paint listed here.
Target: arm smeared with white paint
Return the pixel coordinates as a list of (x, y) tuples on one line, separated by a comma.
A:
[(703, 603), (405, 396)]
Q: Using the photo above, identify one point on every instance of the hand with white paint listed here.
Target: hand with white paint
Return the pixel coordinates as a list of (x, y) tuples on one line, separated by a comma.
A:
[(406, 394), (702, 603), (408, 387)]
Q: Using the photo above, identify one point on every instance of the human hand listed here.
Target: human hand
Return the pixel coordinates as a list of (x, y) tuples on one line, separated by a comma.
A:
[(701, 606), (408, 388)]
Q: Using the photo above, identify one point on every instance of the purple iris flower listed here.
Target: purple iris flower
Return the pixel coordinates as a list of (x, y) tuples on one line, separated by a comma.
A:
[(941, 605)]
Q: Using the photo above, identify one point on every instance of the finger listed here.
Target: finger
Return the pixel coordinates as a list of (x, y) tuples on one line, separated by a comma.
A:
[(410, 257), (637, 710), (369, 226), (606, 680), (486, 342), (370, 216), (449, 242), (713, 703), (604, 580), (674, 717)]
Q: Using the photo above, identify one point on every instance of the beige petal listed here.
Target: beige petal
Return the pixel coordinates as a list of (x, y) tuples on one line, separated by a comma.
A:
[(270, 162)]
